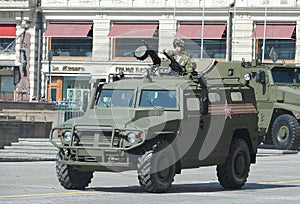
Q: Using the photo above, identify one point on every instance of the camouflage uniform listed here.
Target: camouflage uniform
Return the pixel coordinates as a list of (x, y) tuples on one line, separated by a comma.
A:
[(183, 58)]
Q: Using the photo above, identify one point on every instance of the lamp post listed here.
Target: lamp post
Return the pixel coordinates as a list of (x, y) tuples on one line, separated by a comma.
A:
[(229, 33), (174, 18), (264, 38), (202, 29)]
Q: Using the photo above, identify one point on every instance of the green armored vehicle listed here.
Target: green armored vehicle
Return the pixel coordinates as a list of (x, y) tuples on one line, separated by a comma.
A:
[(159, 125), (277, 91)]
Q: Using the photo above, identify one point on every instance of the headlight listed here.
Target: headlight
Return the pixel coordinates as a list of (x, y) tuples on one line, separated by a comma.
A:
[(247, 77), (67, 136), (145, 73), (131, 137)]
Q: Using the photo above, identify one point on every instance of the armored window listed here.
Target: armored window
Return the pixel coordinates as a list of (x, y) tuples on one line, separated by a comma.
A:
[(236, 97), (284, 75), (214, 97), (158, 98), (116, 98), (193, 104), (297, 76)]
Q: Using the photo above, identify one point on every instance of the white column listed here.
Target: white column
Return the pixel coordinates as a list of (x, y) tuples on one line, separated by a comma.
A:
[(101, 43), (166, 34)]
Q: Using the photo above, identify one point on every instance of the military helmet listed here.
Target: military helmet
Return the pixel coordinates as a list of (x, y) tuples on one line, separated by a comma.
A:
[(179, 42)]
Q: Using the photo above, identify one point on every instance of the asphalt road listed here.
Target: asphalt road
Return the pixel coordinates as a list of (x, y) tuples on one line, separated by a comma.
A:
[(273, 179)]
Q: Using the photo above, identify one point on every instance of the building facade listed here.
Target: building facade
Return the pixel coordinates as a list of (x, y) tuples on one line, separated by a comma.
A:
[(70, 41)]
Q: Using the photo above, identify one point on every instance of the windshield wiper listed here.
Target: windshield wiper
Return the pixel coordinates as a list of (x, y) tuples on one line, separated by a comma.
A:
[(105, 103), (151, 103)]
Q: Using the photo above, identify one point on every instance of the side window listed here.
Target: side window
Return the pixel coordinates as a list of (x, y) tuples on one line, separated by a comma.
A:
[(236, 97), (214, 97), (193, 104)]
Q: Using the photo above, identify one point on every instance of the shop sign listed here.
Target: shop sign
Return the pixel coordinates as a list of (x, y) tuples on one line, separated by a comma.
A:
[(67, 68), (129, 69)]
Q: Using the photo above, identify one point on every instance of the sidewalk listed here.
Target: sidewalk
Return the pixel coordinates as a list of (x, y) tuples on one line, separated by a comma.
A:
[(5, 156), (269, 150)]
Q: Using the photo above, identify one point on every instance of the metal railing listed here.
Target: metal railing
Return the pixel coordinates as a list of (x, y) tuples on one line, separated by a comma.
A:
[(168, 3), (68, 110)]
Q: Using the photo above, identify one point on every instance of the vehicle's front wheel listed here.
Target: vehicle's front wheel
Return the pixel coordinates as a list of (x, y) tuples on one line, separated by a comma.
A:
[(156, 167), (286, 132), (234, 172), (69, 177)]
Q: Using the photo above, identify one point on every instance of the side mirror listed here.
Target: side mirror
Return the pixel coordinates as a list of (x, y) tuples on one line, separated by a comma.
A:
[(204, 106), (260, 77)]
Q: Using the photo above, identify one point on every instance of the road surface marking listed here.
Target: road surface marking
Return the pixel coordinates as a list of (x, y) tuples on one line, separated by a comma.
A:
[(47, 194), (280, 182)]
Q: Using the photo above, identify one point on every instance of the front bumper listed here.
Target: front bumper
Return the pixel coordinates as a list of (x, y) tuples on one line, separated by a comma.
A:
[(103, 148)]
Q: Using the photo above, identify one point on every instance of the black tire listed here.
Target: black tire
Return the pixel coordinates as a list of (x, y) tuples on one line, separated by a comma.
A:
[(234, 172), (286, 132), (156, 167), (71, 178)]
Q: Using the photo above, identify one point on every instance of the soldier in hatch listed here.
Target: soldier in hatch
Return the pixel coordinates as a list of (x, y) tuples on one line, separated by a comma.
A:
[(181, 56)]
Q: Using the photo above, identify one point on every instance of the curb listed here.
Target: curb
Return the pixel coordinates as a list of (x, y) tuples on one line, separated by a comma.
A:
[(274, 152), (20, 159)]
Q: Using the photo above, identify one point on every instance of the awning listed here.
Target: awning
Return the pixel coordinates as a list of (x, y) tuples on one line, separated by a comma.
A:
[(274, 31), (133, 30), (68, 30), (194, 31), (8, 30)]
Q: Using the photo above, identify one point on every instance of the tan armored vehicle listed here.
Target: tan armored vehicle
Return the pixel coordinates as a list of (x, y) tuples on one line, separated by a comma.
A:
[(159, 125), (277, 91)]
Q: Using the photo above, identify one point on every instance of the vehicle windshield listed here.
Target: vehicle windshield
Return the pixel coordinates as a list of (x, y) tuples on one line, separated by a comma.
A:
[(116, 98), (285, 75), (158, 98)]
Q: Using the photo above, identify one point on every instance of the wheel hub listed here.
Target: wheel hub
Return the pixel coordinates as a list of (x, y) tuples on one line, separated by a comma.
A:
[(283, 133), (240, 165)]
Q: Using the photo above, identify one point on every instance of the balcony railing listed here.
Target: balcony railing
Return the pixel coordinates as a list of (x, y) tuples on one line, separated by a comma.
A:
[(89, 4), (165, 3), (17, 3)]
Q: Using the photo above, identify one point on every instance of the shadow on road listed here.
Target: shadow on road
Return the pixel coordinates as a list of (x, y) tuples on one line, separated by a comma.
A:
[(192, 188)]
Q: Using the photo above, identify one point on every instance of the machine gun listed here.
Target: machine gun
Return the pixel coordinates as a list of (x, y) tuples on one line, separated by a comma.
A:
[(155, 58), (142, 52), (175, 66)]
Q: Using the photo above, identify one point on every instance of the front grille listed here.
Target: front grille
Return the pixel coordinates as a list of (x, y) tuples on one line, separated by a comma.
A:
[(97, 137)]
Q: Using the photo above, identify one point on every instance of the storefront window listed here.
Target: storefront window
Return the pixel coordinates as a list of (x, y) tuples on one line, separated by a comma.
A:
[(6, 87), (212, 48), (125, 47), (213, 34), (127, 36), (76, 90), (7, 43), (281, 48), (279, 40), (71, 46)]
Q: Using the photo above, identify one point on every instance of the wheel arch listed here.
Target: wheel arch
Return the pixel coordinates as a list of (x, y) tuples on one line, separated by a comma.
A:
[(170, 138), (245, 135), (277, 112), (162, 136)]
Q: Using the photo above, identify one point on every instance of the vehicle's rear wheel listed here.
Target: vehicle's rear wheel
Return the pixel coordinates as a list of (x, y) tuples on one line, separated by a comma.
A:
[(156, 167), (234, 172), (69, 177), (286, 132)]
